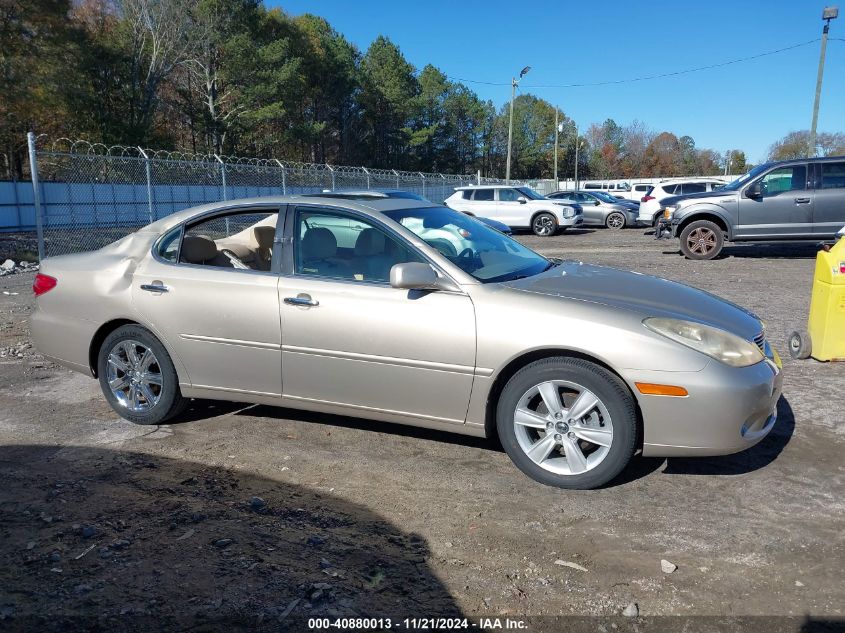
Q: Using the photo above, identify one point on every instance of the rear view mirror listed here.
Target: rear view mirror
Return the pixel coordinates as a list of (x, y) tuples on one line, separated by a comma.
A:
[(413, 276), (754, 191)]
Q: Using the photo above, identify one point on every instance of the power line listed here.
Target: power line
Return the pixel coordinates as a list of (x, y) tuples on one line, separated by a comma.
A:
[(649, 77)]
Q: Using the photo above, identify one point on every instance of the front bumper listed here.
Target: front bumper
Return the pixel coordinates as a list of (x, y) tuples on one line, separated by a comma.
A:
[(728, 409), (577, 220)]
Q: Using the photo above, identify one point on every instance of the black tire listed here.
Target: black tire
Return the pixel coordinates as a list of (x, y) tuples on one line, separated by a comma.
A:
[(617, 222), (800, 345), (613, 393), (544, 224), (656, 220), (170, 400), (702, 240)]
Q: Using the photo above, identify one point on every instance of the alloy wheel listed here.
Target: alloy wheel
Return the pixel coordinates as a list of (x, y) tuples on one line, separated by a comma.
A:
[(563, 427), (615, 221), (544, 225), (134, 376), (701, 241)]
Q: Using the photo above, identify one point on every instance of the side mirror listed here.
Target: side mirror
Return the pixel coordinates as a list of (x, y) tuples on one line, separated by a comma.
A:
[(596, 203), (754, 191), (413, 276), (521, 200)]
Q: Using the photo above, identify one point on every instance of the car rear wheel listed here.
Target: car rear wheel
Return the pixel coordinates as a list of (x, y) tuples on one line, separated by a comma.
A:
[(544, 224), (615, 220), (701, 239), (567, 423), (137, 376)]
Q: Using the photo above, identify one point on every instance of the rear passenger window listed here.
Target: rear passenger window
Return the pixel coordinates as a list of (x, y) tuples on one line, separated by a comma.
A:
[(241, 240), (466, 194), (671, 189), (483, 195), (693, 187), (833, 176)]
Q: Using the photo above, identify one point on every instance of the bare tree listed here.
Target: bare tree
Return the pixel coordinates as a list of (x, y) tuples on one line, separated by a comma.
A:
[(160, 33)]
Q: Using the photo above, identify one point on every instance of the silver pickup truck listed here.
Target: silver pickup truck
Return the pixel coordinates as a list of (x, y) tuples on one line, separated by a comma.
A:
[(794, 200)]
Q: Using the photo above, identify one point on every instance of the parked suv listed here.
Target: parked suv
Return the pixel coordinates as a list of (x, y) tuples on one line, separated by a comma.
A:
[(651, 203), (600, 208), (793, 200), (518, 207)]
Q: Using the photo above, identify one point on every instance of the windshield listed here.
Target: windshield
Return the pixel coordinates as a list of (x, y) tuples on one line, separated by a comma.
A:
[(477, 249), (604, 197), (529, 193), (740, 182)]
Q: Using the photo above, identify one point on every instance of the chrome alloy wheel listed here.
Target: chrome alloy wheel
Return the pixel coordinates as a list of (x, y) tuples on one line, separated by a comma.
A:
[(563, 427), (134, 376), (544, 225)]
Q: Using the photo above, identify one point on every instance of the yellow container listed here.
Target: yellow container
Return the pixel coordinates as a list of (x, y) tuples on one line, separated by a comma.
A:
[(827, 308)]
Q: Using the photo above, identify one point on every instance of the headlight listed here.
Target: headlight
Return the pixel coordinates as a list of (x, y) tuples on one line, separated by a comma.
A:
[(668, 211), (723, 346), (569, 212)]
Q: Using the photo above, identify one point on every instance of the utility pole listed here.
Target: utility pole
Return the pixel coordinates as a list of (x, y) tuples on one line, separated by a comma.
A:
[(514, 84), (727, 161), (557, 132), (577, 145), (828, 14)]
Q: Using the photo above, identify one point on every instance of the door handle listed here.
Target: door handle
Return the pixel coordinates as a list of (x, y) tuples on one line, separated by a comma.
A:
[(301, 300), (155, 287), (802, 200)]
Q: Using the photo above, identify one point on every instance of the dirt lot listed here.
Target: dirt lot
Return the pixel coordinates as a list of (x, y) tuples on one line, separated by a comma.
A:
[(249, 517)]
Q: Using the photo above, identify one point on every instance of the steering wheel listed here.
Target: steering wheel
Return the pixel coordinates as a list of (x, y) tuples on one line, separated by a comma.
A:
[(467, 253)]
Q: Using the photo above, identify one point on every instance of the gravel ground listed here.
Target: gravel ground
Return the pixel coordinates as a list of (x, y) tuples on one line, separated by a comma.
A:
[(251, 517)]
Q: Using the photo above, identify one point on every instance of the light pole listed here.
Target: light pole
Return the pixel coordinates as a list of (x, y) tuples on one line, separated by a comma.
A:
[(558, 130), (514, 84), (577, 147), (728, 156), (828, 14)]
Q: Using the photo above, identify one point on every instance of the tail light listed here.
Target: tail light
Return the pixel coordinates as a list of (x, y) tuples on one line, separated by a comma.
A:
[(43, 283), (646, 198)]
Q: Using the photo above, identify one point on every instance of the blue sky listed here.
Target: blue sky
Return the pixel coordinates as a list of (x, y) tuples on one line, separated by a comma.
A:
[(743, 106)]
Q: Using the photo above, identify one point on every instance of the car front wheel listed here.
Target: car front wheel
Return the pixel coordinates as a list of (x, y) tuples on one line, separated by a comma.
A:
[(544, 225), (615, 221), (567, 423), (702, 239), (137, 376)]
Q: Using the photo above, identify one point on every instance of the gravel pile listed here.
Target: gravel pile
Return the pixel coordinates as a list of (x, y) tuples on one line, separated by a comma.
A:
[(9, 267)]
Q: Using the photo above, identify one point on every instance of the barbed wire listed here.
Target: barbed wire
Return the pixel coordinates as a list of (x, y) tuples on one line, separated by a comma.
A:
[(194, 160)]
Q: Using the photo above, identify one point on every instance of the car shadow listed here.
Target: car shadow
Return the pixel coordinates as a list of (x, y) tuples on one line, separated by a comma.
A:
[(763, 251), (95, 539), (747, 461), (363, 424)]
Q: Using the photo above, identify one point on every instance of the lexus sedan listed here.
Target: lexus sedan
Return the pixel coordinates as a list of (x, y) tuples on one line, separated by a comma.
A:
[(398, 310)]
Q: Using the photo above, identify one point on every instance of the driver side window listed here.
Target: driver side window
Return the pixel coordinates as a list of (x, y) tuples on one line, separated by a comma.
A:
[(340, 246), (782, 179), (508, 195)]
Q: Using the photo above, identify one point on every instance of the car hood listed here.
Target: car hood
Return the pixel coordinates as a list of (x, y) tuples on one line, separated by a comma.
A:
[(714, 195), (646, 295)]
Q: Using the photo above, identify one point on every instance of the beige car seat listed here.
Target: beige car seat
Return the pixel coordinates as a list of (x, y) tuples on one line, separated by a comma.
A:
[(264, 236)]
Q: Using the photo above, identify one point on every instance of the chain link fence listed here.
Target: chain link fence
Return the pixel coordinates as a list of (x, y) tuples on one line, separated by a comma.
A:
[(89, 195)]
